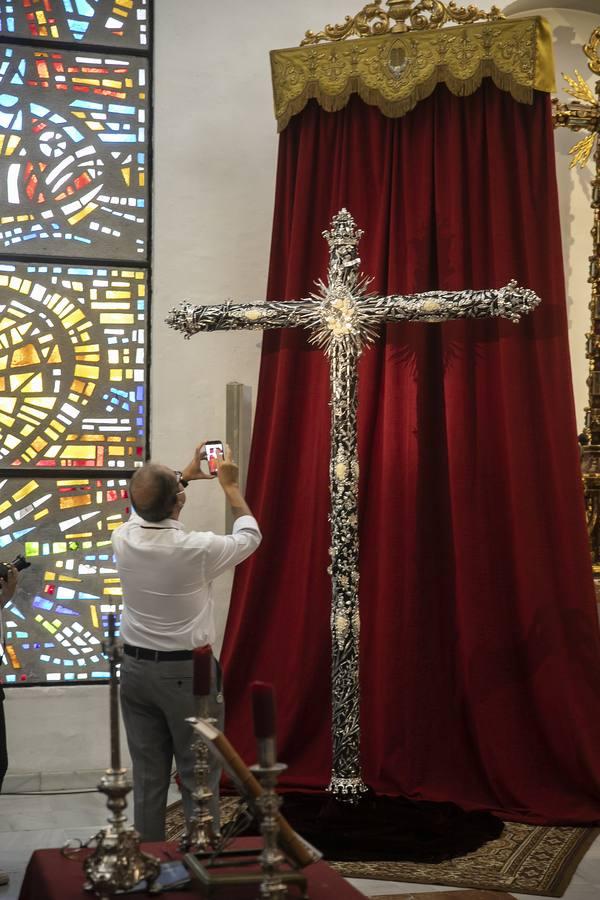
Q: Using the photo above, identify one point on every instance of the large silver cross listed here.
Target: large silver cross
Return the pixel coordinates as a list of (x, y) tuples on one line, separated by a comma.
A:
[(343, 318)]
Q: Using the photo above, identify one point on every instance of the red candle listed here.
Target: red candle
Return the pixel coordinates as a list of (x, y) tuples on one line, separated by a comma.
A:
[(202, 670), (263, 709)]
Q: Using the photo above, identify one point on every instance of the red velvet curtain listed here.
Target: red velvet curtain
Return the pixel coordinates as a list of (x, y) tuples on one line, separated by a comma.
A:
[(480, 651)]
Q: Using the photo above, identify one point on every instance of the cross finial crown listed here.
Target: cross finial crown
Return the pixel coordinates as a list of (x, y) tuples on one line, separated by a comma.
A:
[(344, 233), (343, 239)]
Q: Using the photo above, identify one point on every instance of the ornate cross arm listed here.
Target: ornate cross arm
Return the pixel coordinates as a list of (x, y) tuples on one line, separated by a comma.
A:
[(578, 117), (229, 316), (333, 310), (575, 115), (508, 302)]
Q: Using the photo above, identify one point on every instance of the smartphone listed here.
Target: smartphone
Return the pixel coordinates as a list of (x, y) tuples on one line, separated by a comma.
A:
[(214, 452)]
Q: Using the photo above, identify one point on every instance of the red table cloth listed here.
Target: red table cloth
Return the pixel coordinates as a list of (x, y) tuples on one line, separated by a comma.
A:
[(51, 876)]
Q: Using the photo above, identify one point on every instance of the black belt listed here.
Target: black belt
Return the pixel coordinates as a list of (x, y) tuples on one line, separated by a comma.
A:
[(156, 655)]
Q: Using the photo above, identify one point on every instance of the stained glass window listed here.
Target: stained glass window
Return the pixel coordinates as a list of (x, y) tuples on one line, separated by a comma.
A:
[(57, 618), (74, 277), (118, 23), (72, 153), (72, 365)]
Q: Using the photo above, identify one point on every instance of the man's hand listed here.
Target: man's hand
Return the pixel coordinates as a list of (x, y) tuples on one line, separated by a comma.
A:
[(8, 585), (193, 470), (227, 471), (229, 477)]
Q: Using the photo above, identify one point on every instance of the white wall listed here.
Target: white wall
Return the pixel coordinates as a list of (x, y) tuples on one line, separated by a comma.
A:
[(215, 148)]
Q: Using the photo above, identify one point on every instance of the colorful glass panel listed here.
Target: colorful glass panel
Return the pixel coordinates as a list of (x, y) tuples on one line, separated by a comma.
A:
[(72, 365), (57, 619), (72, 154), (121, 23)]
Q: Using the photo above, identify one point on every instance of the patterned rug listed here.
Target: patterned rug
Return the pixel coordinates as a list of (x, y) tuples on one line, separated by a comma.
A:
[(527, 859)]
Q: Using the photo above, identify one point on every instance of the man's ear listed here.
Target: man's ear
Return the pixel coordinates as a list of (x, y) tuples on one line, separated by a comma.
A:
[(180, 501)]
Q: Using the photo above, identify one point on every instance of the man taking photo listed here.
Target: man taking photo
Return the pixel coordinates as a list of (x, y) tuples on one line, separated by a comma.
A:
[(166, 573)]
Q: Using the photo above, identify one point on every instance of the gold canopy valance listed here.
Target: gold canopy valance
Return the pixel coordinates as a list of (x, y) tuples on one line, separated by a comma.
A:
[(395, 71)]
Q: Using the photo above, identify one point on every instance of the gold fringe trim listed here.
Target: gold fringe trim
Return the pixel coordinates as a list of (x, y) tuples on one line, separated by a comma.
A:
[(395, 72), (394, 109)]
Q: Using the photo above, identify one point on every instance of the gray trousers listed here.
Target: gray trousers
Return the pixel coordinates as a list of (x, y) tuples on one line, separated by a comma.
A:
[(156, 699)]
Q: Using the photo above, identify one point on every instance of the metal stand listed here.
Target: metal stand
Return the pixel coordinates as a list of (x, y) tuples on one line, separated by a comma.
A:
[(217, 873), (266, 866), (117, 863)]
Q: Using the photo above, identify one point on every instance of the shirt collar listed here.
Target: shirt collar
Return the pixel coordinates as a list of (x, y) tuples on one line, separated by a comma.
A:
[(164, 523)]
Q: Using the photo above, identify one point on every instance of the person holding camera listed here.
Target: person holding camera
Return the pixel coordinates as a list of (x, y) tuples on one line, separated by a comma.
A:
[(166, 573), (8, 585)]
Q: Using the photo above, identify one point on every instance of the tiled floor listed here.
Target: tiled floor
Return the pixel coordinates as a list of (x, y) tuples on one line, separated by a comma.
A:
[(30, 823)]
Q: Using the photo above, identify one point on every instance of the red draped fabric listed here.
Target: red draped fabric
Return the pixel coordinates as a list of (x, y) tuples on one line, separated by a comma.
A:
[(480, 651)]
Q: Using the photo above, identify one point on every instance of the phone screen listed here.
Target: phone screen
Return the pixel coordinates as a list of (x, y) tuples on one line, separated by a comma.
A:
[(214, 452)]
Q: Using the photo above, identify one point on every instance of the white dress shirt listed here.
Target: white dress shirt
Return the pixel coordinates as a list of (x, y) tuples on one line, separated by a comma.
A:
[(166, 574)]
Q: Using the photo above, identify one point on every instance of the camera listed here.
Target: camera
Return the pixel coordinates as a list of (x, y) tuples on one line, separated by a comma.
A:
[(19, 562)]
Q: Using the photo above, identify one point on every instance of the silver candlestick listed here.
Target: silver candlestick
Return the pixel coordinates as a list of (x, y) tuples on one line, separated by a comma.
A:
[(117, 863), (200, 832), (268, 770)]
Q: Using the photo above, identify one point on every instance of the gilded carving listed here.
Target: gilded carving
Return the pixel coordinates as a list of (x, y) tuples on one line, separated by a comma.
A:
[(584, 114), (402, 16), (370, 20), (592, 51), (395, 70)]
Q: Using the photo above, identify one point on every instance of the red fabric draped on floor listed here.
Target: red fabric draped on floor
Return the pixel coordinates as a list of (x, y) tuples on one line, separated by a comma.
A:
[(480, 651)]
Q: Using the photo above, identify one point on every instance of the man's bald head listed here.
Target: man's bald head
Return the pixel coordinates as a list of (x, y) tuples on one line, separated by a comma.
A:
[(153, 491)]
